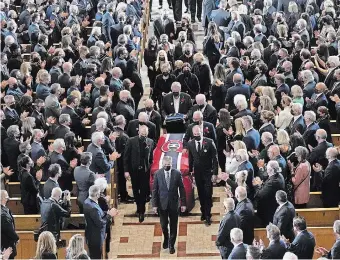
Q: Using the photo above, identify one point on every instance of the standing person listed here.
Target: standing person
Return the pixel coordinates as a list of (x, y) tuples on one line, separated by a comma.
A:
[(54, 171), (203, 164), (138, 156), (230, 220), (9, 237), (167, 184), (96, 221), (334, 252), (212, 45)]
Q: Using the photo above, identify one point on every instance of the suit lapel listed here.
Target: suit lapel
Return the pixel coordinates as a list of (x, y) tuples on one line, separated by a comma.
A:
[(163, 178), (171, 179)]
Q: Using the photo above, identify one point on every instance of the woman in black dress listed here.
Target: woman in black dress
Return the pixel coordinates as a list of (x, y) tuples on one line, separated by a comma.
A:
[(132, 73), (224, 124), (218, 89)]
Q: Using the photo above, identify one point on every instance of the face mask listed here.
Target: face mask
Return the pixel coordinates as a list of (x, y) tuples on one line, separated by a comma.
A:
[(186, 72), (141, 123), (182, 39), (153, 45), (316, 91), (12, 106), (15, 86), (149, 109), (162, 58), (184, 25), (196, 122), (201, 106), (197, 138), (167, 168), (142, 138), (165, 74), (176, 94), (187, 52)]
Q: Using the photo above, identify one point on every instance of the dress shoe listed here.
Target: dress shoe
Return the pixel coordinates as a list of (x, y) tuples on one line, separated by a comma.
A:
[(172, 250), (166, 243), (160, 7), (199, 19), (127, 200), (208, 221), (202, 218), (141, 218), (186, 11), (170, 7)]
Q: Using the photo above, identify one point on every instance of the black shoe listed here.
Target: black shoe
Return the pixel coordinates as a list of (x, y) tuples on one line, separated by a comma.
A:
[(199, 19), (166, 243), (151, 20), (186, 11), (148, 199), (170, 7), (202, 218), (160, 7), (141, 218), (127, 200), (172, 250), (208, 221)]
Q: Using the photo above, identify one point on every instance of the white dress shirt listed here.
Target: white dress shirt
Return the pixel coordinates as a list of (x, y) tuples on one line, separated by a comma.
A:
[(176, 104)]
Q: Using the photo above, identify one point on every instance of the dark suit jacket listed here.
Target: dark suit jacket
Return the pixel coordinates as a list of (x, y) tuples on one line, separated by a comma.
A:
[(334, 253), (84, 178), (298, 125), (168, 108), (132, 154), (165, 198), (265, 197), (330, 189), (239, 252), (309, 133), (154, 117), (48, 187), (204, 163), (115, 31), (303, 245), (252, 139), (76, 126), (133, 129), (8, 235), (209, 113), (245, 112), (236, 89), (65, 81), (208, 132), (100, 163), (317, 102), (65, 181), (126, 109), (11, 118), (275, 250), (245, 210), (284, 88), (61, 131), (169, 27), (318, 155), (283, 219), (29, 189), (230, 220), (190, 84), (40, 122), (11, 147)]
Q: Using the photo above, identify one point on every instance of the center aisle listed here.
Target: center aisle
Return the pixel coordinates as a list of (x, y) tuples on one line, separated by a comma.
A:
[(131, 239)]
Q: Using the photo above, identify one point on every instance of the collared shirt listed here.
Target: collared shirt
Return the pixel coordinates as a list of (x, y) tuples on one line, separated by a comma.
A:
[(198, 142), (296, 118), (281, 206), (176, 104)]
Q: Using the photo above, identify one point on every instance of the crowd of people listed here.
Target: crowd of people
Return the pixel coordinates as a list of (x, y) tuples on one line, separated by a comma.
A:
[(256, 103)]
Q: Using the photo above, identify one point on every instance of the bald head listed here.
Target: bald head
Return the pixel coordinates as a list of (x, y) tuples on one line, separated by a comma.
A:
[(143, 117), (149, 104), (11, 81), (332, 153), (320, 135), (200, 99), (67, 67), (320, 88), (240, 193), (237, 78)]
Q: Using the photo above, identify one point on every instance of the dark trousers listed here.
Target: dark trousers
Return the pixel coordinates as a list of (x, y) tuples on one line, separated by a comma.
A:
[(221, 160), (225, 251), (95, 251), (30, 209), (121, 183), (204, 189), (166, 216), (177, 9), (161, 2), (140, 183), (192, 4), (187, 3)]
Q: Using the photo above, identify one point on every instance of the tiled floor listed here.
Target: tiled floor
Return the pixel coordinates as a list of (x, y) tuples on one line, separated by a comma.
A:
[(132, 240)]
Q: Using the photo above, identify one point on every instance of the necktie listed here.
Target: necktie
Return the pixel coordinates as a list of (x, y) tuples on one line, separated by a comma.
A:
[(167, 179), (198, 146)]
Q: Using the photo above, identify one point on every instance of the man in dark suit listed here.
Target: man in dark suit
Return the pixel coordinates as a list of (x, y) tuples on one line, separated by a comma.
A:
[(64, 126), (252, 137), (284, 215), (9, 237), (238, 88), (100, 164), (230, 220), (65, 79), (138, 156), (84, 178), (203, 164), (311, 127), (221, 16), (167, 185), (153, 115), (77, 123), (96, 221), (108, 21), (281, 87), (54, 172), (240, 249), (126, 106), (234, 68), (207, 129), (298, 123), (276, 248), (208, 111), (334, 253), (164, 25), (176, 102), (133, 126), (330, 179), (52, 212), (245, 210), (319, 98), (233, 51), (11, 148), (117, 29), (265, 194), (304, 242), (11, 115)]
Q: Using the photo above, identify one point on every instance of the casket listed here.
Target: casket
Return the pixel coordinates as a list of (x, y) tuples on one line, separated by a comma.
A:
[(172, 145)]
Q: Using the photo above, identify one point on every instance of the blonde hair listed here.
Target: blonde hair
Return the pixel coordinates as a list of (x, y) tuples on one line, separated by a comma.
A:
[(282, 30), (179, 64), (239, 145), (46, 244), (296, 91), (158, 62), (28, 124), (293, 7), (239, 130), (24, 68), (282, 137), (76, 93), (76, 246), (199, 57), (266, 103), (269, 91), (241, 178)]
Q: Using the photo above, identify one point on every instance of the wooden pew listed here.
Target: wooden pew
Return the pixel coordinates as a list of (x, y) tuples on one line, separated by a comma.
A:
[(324, 237), (14, 204), (315, 200), (334, 128), (13, 188), (336, 139), (33, 222), (319, 217), (27, 246)]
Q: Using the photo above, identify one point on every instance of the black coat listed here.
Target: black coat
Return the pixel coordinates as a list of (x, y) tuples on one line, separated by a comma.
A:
[(318, 155), (303, 245), (230, 220), (202, 72), (233, 91), (239, 252), (283, 219), (245, 210), (65, 81), (48, 187), (265, 197), (334, 253), (11, 147), (185, 104), (208, 132), (133, 129), (330, 189), (154, 117), (65, 181), (115, 31), (190, 84), (275, 250), (29, 190), (167, 28), (76, 126), (209, 113), (61, 131), (9, 237), (127, 109), (298, 125)]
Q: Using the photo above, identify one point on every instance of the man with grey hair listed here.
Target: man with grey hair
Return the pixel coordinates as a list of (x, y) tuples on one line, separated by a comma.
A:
[(329, 179), (230, 220), (94, 37), (252, 136), (232, 49), (11, 115), (309, 83), (11, 148), (64, 126), (126, 105), (298, 123), (143, 119), (65, 181), (52, 105), (265, 192), (311, 127), (238, 89), (96, 222), (301, 25), (284, 214), (334, 253), (167, 185), (276, 248), (100, 164), (84, 178), (241, 105), (240, 250), (208, 111)]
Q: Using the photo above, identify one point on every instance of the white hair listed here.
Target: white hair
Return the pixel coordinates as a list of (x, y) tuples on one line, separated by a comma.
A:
[(101, 183), (229, 203), (334, 60), (236, 235), (58, 143), (96, 136), (243, 154), (290, 256), (100, 123)]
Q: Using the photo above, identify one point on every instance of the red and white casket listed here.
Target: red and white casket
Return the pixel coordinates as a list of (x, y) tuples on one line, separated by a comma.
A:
[(172, 145)]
